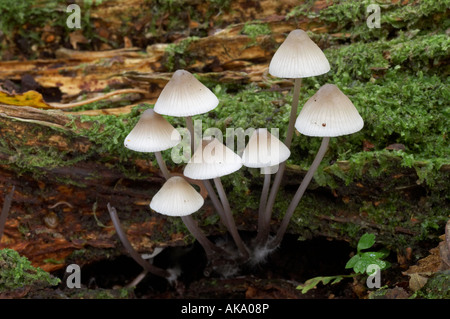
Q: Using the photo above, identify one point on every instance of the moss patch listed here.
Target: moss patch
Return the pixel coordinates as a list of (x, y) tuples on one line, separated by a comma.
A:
[(17, 272)]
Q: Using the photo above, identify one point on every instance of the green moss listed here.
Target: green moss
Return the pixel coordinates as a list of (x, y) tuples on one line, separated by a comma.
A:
[(254, 30), (437, 287), (350, 17), (175, 56), (17, 272)]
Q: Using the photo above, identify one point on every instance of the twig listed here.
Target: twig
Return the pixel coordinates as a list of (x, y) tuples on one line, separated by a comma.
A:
[(5, 210), (95, 99), (61, 203)]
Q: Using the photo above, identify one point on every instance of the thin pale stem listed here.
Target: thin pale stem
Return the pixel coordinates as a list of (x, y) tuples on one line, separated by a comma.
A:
[(216, 202), (293, 115), (133, 253), (263, 202), (162, 165), (5, 210), (137, 280), (190, 127), (208, 246), (300, 191), (229, 217), (264, 233)]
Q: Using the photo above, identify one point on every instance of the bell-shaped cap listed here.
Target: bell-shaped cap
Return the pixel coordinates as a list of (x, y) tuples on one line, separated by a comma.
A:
[(176, 198), (298, 57), (152, 133), (330, 113), (212, 159), (264, 150), (184, 95)]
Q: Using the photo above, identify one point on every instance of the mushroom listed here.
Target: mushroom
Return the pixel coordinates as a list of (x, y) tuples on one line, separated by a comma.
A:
[(264, 151), (178, 198), (153, 133), (185, 96), (213, 160), (328, 113), (297, 57)]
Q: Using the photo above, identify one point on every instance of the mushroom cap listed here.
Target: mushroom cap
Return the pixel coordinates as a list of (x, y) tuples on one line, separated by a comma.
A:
[(264, 150), (212, 159), (298, 57), (152, 133), (176, 198), (184, 95), (330, 113)]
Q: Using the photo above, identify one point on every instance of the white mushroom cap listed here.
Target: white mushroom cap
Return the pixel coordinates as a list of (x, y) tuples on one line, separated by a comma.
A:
[(184, 95), (212, 159), (176, 198), (264, 150), (330, 113), (152, 133), (298, 57)]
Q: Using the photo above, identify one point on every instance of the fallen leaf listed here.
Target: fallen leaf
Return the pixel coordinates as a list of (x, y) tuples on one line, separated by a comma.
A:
[(77, 37), (416, 281), (29, 98)]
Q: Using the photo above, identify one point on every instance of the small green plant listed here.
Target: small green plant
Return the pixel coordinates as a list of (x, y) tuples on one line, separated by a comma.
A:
[(359, 263), (16, 272)]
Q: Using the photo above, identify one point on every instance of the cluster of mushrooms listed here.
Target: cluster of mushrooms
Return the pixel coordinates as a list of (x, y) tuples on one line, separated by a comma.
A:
[(328, 113)]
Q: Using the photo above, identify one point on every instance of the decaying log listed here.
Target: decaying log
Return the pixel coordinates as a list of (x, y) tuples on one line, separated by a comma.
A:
[(62, 209), (59, 211)]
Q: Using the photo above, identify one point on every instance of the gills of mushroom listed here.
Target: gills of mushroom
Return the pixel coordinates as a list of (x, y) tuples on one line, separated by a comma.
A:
[(328, 113), (297, 57), (264, 151), (212, 160)]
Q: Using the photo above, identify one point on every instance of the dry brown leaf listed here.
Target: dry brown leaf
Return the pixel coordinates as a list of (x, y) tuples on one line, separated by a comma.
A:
[(77, 37), (416, 281)]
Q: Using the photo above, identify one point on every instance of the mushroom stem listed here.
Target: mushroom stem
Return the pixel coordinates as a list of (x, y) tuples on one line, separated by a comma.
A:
[(293, 116), (229, 218), (208, 246), (216, 202), (190, 127), (5, 210), (137, 280), (263, 201), (300, 191), (162, 165), (133, 253), (264, 233)]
